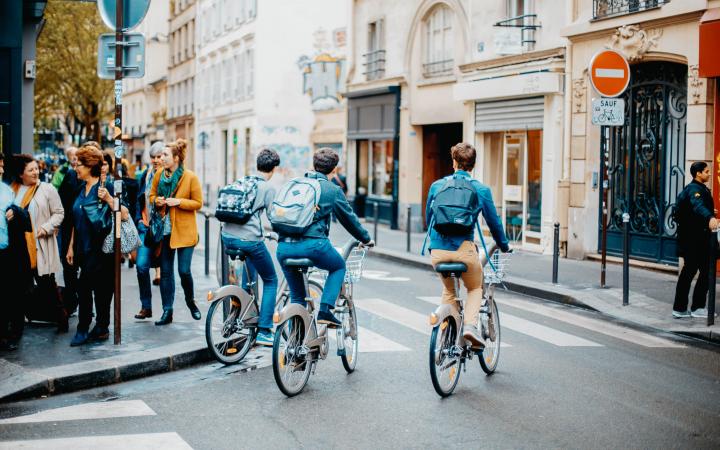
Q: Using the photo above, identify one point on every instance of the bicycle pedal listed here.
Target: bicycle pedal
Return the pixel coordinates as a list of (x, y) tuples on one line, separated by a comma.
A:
[(484, 309)]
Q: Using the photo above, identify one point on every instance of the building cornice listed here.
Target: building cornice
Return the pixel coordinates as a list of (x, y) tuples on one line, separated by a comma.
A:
[(601, 29), (558, 52), (374, 84)]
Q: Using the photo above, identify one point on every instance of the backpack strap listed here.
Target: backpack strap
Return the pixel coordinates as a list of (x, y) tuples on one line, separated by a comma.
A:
[(427, 235), (482, 241)]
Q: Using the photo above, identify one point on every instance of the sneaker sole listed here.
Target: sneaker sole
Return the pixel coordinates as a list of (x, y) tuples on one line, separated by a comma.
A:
[(475, 344), (682, 317), (329, 323)]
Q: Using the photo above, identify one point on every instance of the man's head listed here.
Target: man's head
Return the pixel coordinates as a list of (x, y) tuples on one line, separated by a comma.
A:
[(71, 155), (267, 161), (700, 171), (463, 156), (325, 160)]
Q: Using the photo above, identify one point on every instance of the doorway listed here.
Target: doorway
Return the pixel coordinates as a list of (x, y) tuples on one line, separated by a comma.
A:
[(437, 162)]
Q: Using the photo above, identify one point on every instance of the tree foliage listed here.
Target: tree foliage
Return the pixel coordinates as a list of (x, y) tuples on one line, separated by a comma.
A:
[(67, 85)]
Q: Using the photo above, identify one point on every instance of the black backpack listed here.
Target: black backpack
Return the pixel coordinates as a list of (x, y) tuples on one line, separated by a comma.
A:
[(455, 207), (237, 200)]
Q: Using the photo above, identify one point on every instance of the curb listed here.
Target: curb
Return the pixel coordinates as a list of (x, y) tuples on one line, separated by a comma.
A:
[(538, 290), (105, 375)]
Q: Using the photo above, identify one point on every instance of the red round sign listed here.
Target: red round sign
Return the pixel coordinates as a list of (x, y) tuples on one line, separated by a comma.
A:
[(609, 73)]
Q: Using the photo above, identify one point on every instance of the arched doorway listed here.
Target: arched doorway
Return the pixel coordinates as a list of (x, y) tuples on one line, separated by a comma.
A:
[(647, 160)]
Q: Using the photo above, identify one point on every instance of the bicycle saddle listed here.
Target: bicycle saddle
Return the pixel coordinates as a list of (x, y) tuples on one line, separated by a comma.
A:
[(298, 262), (235, 253), (451, 268)]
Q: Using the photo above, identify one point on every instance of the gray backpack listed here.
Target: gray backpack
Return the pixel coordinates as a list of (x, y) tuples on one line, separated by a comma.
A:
[(295, 205)]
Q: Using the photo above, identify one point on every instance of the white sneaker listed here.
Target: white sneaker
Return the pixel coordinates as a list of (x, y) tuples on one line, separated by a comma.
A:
[(681, 314), (700, 312)]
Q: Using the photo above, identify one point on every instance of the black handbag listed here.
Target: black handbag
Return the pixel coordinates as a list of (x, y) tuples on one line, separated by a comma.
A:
[(155, 232), (100, 217)]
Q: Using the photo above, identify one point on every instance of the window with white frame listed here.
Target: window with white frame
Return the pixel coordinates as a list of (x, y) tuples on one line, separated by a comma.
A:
[(240, 12), (249, 73), (375, 56), (251, 9), (227, 80), (439, 54), (239, 76), (216, 84)]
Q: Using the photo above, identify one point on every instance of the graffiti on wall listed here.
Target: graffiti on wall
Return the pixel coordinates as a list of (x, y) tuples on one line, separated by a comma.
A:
[(324, 71), (295, 155)]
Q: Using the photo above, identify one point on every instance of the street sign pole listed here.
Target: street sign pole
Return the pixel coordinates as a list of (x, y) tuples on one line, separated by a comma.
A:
[(117, 136)]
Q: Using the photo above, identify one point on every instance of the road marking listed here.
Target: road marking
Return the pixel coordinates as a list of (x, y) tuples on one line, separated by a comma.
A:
[(405, 317), (371, 342), (381, 275), (599, 326), (609, 73), (149, 441), (543, 333), (101, 410)]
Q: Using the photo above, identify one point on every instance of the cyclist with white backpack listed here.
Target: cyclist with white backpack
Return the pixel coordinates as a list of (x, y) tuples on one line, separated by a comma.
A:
[(239, 206), (301, 214), (453, 206)]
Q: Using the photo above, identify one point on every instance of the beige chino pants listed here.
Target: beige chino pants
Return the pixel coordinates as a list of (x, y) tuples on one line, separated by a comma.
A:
[(472, 279)]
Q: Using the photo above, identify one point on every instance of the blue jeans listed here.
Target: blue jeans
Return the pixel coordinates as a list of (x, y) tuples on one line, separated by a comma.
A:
[(324, 256), (260, 262), (167, 273), (142, 261)]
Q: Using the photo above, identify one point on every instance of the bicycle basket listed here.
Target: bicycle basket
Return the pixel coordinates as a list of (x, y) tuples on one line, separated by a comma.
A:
[(354, 265), (500, 261)]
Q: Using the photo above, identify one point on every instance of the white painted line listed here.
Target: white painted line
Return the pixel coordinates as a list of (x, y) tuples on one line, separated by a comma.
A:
[(433, 300), (149, 441), (543, 333), (610, 73), (86, 411), (371, 342), (405, 317), (597, 325)]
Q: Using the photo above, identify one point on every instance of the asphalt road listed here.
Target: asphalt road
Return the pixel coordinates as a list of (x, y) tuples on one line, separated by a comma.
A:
[(568, 379)]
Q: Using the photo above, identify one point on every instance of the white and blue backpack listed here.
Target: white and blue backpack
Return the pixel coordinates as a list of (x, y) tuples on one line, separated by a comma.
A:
[(236, 201)]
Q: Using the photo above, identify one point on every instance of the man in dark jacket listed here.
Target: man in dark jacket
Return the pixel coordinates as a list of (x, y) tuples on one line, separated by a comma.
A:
[(696, 218), (315, 245), (68, 191)]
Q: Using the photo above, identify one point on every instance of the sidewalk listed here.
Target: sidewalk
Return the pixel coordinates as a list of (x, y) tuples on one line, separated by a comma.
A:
[(651, 292)]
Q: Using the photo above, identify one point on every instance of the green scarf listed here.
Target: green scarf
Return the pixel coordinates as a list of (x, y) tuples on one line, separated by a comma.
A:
[(168, 185)]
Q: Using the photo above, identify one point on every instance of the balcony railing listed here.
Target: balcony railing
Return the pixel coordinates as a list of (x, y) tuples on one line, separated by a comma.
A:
[(611, 8), (438, 68), (374, 64)]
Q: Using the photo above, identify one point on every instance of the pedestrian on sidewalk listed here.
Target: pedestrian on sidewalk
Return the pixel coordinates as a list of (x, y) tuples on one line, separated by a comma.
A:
[(177, 194), (248, 238), (458, 198), (15, 272), (68, 191), (42, 202), (696, 220), (91, 223), (146, 256)]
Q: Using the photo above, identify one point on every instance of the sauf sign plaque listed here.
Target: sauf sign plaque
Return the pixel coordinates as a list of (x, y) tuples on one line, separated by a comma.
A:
[(608, 111)]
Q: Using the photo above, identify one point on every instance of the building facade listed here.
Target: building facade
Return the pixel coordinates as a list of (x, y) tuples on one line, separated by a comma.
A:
[(668, 124), (145, 99), (181, 75)]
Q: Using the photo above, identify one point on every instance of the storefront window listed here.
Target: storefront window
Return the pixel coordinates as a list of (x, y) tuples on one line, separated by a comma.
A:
[(375, 168)]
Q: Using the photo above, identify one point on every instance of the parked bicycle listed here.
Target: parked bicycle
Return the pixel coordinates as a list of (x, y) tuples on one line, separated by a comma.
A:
[(300, 342), (231, 325), (449, 351)]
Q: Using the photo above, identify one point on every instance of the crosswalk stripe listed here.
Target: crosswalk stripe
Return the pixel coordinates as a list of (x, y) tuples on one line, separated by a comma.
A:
[(602, 327), (371, 342), (405, 317), (543, 333), (99, 410), (148, 441)]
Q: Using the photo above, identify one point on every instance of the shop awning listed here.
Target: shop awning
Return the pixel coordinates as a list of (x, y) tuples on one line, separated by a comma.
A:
[(373, 114), (709, 63)]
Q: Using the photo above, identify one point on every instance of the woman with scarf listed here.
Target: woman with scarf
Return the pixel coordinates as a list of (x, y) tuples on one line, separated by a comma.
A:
[(42, 202), (176, 194)]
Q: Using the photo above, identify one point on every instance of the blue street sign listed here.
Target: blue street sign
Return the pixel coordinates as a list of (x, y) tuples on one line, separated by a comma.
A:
[(133, 12), (133, 57)]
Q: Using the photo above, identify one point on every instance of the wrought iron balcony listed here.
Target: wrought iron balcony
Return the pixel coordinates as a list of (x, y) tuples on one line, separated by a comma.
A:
[(612, 8), (374, 65), (438, 68)]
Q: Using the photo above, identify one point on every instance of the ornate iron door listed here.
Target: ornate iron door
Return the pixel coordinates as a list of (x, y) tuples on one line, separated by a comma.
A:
[(646, 162)]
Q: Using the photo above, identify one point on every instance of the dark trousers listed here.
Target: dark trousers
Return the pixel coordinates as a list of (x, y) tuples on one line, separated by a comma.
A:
[(70, 295), (96, 284), (12, 315), (167, 273), (696, 260)]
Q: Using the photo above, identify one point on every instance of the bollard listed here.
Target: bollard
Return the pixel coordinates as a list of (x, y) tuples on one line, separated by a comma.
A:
[(207, 244), (376, 211), (409, 225), (556, 252), (712, 277), (626, 258)]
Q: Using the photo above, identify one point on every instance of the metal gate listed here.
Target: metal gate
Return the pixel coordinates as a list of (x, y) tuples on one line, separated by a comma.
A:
[(646, 162)]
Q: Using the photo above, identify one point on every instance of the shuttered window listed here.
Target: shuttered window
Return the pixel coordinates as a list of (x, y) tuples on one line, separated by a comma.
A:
[(516, 114)]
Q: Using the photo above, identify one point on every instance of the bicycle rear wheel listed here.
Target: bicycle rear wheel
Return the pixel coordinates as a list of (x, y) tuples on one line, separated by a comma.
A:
[(444, 360), (291, 369), (491, 332), (350, 333), (226, 340)]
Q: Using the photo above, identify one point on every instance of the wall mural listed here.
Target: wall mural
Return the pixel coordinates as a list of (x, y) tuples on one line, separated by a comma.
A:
[(295, 155), (324, 71)]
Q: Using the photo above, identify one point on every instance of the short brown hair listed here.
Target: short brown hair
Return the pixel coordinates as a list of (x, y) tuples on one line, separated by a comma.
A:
[(91, 144), (325, 160), (90, 157), (179, 149), (464, 155)]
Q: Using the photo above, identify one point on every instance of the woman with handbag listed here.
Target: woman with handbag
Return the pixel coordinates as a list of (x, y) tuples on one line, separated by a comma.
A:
[(42, 202), (176, 195), (92, 221)]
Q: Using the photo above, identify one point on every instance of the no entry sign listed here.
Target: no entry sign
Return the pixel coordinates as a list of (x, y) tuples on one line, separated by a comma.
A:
[(609, 73)]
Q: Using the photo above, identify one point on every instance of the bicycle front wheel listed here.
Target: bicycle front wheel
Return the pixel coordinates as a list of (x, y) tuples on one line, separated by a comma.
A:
[(444, 360), (491, 332), (227, 341), (350, 337), (291, 368)]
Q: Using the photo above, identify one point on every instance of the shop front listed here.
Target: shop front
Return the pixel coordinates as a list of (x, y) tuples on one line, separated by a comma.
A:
[(373, 145)]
